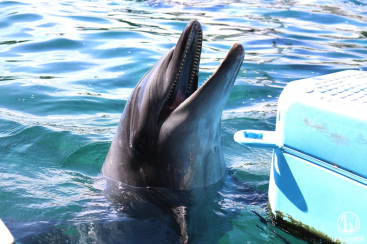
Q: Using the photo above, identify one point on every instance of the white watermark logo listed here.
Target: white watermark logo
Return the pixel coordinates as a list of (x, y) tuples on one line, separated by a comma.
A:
[(348, 223)]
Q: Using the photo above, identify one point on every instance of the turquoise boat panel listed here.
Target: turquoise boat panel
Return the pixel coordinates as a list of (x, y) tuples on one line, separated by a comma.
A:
[(316, 196), (334, 138)]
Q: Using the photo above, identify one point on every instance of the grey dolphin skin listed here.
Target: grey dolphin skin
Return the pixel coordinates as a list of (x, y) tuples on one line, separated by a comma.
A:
[(169, 134)]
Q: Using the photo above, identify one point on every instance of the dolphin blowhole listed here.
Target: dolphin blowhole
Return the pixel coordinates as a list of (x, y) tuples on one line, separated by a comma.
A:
[(169, 135)]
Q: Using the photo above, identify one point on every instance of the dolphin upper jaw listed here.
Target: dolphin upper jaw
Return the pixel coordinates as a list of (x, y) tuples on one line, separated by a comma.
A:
[(182, 72), (169, 133)]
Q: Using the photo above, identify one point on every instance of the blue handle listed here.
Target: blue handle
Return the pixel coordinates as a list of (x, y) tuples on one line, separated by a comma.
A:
[(257, 138)]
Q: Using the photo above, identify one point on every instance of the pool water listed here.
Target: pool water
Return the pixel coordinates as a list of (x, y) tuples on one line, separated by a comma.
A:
[(67, 69)]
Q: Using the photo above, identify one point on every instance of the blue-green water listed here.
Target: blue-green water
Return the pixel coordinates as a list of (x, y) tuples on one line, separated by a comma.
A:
[(67, 69)]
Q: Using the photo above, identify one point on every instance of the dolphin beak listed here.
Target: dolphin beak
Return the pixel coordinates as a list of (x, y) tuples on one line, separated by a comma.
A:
[(185, 68)]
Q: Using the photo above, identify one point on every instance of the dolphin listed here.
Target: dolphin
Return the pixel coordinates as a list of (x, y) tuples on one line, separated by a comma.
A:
[(169, 135)]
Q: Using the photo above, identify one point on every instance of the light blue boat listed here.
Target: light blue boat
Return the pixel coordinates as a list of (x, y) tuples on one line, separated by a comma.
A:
[(318, 180)]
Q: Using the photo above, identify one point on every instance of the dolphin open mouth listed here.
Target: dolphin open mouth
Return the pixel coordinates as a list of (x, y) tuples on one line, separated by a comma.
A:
[(184, 69)]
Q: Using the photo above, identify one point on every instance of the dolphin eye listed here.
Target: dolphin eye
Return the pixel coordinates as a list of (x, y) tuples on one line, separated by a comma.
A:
[(140, 143)]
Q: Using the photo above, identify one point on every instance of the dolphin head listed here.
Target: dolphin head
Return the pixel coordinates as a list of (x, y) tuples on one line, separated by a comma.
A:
[(169, 132)]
